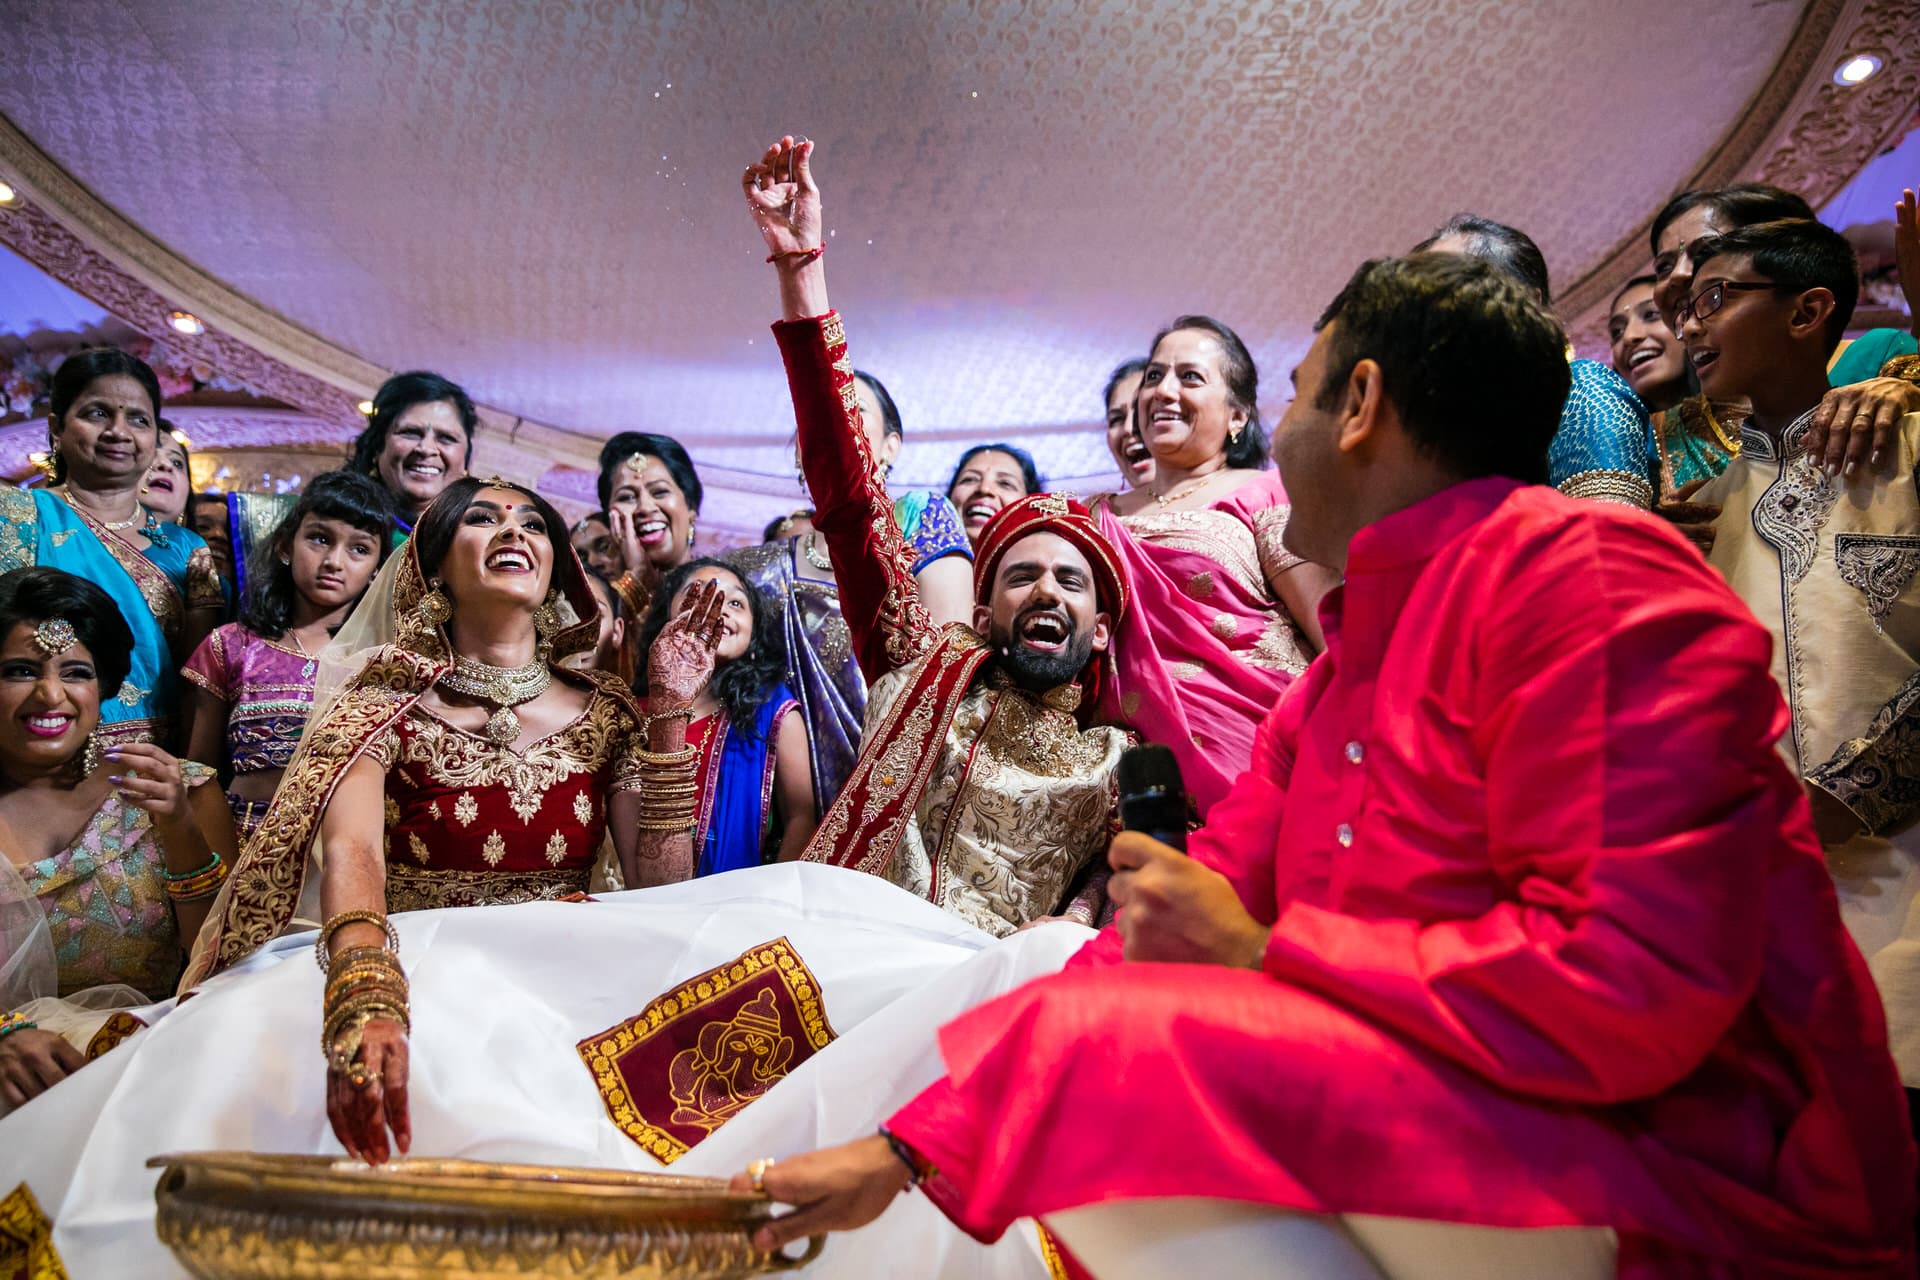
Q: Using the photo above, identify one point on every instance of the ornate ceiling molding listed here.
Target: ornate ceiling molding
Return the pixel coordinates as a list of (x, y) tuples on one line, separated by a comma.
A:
[(1801, 131)]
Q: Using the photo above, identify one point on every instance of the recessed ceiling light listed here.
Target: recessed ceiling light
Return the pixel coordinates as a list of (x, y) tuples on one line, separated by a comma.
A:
[(186, 322), (365, 407), (7, 194), (1857, 70)]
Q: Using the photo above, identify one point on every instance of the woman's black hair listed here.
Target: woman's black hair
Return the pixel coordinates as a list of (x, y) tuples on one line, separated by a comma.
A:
[(1648, 280), (672, 454), (1249, 452), (1121, 372), (742, 686), (603, 587), (1508, 248), (434, 531), (1743, 204), (889, 411), (347, 496), (1029, 474), (80, 371), (40, 593), (397, 395)]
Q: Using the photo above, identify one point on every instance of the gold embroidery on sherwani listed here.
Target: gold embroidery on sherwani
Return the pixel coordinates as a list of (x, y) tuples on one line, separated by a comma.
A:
[(1018, 804), (456, 758)]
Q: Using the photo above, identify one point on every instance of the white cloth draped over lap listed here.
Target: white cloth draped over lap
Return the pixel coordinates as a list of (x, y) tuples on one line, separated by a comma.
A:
[(500, 998)]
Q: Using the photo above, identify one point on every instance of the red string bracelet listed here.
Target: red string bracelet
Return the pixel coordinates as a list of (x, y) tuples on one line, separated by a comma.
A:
[(804, 256)]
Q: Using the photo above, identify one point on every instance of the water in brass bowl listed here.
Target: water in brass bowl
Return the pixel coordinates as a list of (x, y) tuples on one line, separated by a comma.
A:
[(235, 1215)]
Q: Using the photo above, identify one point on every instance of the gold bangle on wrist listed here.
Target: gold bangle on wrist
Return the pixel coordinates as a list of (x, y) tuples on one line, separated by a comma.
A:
[(341, 921)]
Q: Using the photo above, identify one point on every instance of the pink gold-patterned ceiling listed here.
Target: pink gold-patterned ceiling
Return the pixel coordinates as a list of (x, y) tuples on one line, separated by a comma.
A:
[(539, 197)]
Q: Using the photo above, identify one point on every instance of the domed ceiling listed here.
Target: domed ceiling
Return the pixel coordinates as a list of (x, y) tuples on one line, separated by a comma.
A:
[(540, 198)]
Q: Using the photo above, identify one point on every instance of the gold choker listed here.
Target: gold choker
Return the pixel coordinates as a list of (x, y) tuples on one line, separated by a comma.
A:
[(504, 687)]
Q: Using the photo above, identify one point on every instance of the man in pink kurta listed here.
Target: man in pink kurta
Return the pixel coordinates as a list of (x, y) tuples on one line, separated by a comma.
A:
[(1516, 919)]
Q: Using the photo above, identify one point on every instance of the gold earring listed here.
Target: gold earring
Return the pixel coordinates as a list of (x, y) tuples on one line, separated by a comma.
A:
[(90, 756), (1233, 433), (692, 520), (546, 619), (434, 608)]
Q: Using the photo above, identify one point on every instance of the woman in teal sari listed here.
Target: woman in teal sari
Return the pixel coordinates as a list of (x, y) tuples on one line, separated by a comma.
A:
[(102, 429)]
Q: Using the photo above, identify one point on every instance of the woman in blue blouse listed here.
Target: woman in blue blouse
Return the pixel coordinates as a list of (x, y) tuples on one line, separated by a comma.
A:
[(1604, 448)]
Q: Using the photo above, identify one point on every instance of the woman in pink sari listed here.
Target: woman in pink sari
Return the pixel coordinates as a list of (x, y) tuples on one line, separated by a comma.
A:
[(1226, 617)]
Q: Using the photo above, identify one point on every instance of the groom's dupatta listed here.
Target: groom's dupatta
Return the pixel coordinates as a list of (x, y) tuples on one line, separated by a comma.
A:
[(262, 895)]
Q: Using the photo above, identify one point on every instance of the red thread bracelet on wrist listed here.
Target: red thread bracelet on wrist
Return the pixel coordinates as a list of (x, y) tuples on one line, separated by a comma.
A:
[(804, 255)]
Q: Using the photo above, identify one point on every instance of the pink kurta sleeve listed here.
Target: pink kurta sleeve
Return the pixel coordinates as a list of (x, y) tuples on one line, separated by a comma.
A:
[(1634, 930), (1243, 830)]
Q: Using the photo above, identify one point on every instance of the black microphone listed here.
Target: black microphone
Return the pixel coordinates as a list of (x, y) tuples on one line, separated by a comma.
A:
[(1153, 798)]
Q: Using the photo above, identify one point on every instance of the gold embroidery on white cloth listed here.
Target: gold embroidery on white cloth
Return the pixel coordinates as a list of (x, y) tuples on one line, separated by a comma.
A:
[(455, 758), (466, 809), (494, 849), (582, 808), (556, 849)]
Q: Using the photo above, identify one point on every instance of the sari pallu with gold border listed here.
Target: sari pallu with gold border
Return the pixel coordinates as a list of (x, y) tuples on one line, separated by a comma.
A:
[(264, 895), (154, 589)]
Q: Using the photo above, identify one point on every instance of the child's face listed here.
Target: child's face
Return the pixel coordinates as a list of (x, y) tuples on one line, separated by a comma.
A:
[(332, 561), (1745, 337)]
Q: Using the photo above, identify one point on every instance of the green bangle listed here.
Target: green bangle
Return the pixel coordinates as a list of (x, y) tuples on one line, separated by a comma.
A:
[(15, 1021)]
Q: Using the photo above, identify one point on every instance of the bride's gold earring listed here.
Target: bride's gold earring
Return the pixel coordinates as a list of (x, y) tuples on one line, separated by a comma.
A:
[(434, 608), (90, 755), (691, 522), (546, 621)]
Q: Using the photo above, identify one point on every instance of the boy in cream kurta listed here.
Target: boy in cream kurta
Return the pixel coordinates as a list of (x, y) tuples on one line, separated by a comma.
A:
[(1828, 563)]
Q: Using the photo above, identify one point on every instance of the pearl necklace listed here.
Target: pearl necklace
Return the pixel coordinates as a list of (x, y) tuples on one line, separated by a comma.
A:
[(505, 687)]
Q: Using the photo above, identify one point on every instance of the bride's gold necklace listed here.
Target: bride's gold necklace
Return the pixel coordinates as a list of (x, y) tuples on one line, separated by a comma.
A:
[(505, 687)]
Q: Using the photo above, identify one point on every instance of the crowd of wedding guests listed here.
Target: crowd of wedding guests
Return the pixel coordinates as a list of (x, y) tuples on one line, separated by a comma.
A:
[(631, 709)]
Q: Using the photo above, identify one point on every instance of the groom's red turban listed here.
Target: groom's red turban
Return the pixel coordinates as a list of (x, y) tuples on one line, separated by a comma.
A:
[(1057, 514)]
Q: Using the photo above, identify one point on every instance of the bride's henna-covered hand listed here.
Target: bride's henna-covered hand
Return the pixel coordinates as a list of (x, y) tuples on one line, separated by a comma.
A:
[(361, 1117), (681, 660)]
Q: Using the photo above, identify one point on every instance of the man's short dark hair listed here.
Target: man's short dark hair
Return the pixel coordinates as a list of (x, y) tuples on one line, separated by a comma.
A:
[(1797, 254), (1473, 362)]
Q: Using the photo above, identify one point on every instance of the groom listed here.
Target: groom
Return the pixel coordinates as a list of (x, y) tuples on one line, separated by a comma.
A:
[(1517, 919)]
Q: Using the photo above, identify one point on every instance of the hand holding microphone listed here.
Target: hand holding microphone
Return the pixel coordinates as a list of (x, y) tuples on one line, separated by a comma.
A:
[(1172, 909)]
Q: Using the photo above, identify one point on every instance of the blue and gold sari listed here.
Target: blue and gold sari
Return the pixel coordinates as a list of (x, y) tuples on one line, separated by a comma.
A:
[(155, 589)]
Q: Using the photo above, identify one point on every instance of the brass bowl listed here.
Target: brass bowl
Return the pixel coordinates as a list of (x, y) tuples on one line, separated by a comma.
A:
[(235, 1215)]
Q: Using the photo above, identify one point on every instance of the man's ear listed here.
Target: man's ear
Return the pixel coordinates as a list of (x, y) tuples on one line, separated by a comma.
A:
[(983, 619), (1362, 403), (1102, 631)]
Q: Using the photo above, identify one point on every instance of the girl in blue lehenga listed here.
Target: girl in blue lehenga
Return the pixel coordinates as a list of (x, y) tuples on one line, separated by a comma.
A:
[(103, 426), (753, 782)]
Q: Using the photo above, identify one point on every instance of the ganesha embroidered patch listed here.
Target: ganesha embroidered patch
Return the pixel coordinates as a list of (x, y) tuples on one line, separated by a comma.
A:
[(696, 1056)]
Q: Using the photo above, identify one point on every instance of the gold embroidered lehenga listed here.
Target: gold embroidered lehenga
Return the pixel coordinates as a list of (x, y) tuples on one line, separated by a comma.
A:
[(468, 821)]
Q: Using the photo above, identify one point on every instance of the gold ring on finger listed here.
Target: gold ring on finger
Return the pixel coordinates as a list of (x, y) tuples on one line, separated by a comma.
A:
[(358, 1076), (757, 1171)]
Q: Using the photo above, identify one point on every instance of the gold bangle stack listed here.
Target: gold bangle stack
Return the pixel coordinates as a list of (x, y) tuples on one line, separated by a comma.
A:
[(196, 886), (363, 984), (669, 789)]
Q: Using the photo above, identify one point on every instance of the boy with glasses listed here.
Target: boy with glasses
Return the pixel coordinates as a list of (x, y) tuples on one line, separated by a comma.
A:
[(1829, 564)]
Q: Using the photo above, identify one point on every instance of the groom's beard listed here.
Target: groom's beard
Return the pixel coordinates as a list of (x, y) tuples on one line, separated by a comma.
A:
[(1036, 670)]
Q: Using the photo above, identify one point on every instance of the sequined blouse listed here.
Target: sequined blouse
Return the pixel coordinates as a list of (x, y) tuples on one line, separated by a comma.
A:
[(106, 903), (268, 689), (470, 822)]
